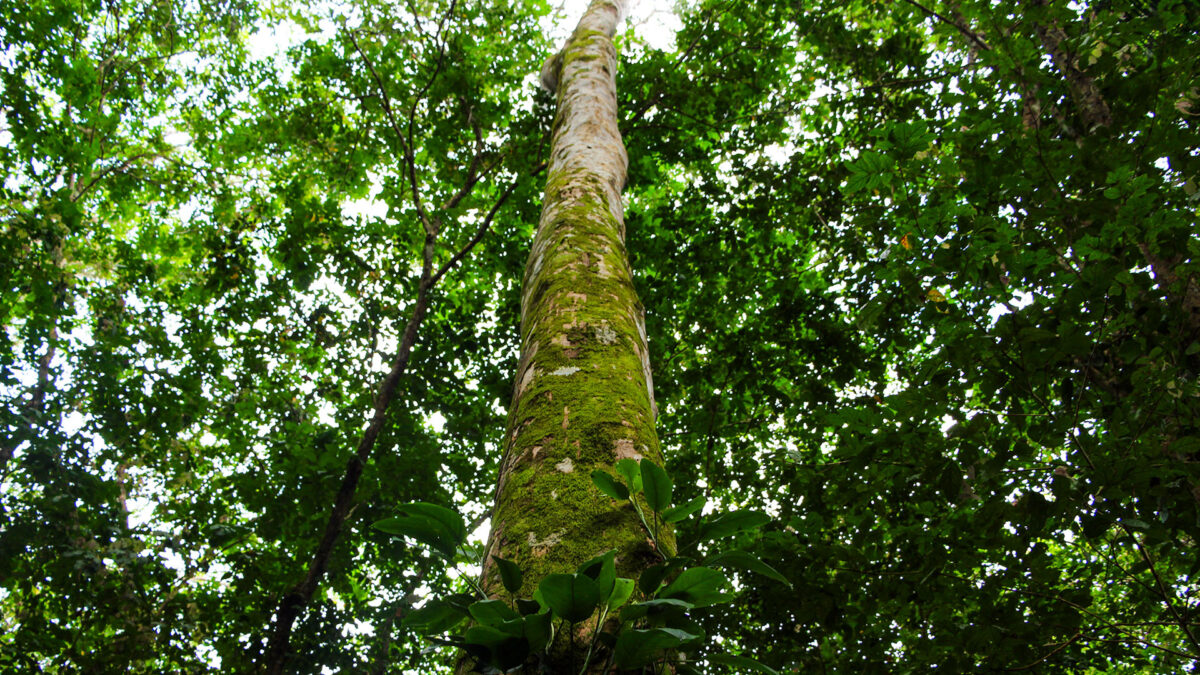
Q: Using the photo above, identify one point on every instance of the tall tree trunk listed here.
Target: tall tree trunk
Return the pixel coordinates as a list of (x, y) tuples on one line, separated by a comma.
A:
[(583, 397), (1183, 291), (1093, 110)]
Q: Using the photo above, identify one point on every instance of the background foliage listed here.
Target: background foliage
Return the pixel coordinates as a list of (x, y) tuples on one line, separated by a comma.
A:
[(920, 281)]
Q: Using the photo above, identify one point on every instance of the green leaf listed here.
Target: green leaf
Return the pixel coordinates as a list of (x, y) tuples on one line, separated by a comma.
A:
[(678, 513), (603, 571), (640, 609), (656, 484), (510, 574), (636, 648), (609, 486), (652, 577), (746, 561), (526, 606), (435, 526), (950, 481), (537, 630), (485, 636), (632, 473), (740, 664), (701, 586), (498, 648), (621, 592), (727, 524), (492, 612), (436, 617), (571, 596)]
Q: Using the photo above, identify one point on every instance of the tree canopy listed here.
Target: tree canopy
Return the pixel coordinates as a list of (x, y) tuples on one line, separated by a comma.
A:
[(921, 282)]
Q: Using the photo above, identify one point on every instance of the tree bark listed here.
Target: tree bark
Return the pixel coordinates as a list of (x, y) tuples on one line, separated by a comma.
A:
[(1093, 109), (583, 397)]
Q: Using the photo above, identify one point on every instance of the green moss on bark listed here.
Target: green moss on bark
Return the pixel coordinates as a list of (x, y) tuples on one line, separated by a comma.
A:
[(582, 397)]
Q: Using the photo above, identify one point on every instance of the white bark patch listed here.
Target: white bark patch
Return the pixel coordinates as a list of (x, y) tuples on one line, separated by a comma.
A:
[(566, 370), (566, 416), (526, 380), (623, 449), (526, 368), (565, 466), (539, 547), (639, 320), (534, 271), (606, 335)]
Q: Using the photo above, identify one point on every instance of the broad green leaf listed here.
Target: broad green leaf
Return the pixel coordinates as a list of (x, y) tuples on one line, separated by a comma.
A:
[(678, 513), (602, 571), (727, 524), (435, 526), (633, 474), (656, 484), (492, 612), (636, 648), (640, 609), (609, 486), (436, 617), (537, 630), (510, 574), (700, 586), (571, 596), (746, 561), (621, 592), (652, 578), (526, 606), (498, 648)]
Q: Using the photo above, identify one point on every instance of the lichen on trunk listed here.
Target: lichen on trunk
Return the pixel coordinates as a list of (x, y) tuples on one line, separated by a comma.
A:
[(583, 396)]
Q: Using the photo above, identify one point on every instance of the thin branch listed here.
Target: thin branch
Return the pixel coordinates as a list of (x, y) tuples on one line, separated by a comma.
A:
[(405, 146), (473, 173), (290, 605), (1074, 638), (1162, 589), (80, 191), (430, 225), (957, 26), (484, 226)]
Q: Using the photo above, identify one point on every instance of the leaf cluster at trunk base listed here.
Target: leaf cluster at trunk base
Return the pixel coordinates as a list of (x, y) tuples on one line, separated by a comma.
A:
[(607, 622)]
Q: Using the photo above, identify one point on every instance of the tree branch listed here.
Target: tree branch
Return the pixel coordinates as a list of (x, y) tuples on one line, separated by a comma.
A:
[(485, 225), (293, 602), (405, 141), (967, 32), (1162, 589)]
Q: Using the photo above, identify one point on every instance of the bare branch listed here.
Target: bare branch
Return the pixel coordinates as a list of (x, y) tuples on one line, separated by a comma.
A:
[(405, 145), (967, 32), (484, 226)]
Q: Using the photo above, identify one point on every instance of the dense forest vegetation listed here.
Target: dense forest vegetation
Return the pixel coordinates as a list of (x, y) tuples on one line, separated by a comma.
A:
[(921, 282)]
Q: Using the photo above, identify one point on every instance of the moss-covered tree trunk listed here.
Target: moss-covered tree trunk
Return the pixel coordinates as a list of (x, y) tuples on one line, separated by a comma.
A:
[(582, 397)]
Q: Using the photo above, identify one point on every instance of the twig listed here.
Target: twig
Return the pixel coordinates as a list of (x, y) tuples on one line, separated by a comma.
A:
[(959, 27), (405, 141), (1074, 638), (1162, 589), (484, 226)]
